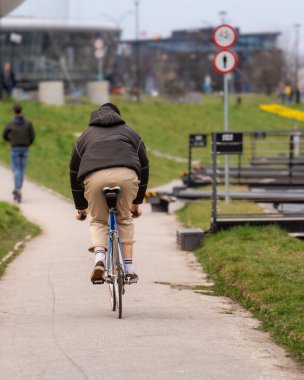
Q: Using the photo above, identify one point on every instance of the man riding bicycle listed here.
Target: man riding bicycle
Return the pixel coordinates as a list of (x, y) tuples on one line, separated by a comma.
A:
[(109, 153)]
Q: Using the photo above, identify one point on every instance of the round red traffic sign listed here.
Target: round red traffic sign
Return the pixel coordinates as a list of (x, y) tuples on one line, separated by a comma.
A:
[(225, 61), (99, 54), (224, 36), (98, 43)]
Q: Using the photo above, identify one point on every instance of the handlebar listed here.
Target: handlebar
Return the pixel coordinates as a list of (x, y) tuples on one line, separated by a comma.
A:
[(83, 216)]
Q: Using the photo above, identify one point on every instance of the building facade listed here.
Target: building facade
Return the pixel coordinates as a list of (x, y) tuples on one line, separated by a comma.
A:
[(183, 62), (40, 50)]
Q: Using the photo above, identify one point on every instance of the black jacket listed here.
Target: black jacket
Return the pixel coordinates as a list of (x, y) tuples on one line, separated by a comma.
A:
[(19, 132), (107, 143), (8, 81)]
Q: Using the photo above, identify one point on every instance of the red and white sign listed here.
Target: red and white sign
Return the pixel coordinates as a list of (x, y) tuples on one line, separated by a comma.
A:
[(98, 43), (224, 36), (99, 48), (225, 61), (99, 53)]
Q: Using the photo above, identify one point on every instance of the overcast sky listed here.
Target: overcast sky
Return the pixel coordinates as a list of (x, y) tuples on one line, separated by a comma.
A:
[(160, 17)]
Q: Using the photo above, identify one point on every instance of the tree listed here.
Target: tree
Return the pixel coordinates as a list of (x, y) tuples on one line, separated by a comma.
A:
[(266, 70)]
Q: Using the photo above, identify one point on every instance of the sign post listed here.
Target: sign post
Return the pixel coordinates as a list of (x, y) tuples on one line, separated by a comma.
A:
[(224, 62), (195, 141), (99, 54), (222, 143)]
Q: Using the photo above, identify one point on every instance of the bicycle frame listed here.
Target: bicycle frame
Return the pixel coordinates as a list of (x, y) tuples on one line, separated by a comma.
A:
[(113, 229)]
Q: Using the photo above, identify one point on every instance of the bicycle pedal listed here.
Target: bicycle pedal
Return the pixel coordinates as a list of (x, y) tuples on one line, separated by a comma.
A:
[(109, 280), (98, 282), (129, 281)]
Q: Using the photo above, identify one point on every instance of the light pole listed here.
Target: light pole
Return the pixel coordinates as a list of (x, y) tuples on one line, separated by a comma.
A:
[(223, 15), (118, 21), (137, 55), (296, 87), (67, 9)]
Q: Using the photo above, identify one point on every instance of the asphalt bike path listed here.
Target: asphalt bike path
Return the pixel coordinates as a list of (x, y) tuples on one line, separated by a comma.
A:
[(54, 324)]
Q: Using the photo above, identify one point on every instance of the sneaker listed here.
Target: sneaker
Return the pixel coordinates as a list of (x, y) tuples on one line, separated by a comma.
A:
[(131, 278), (17, 195), (97, 275)]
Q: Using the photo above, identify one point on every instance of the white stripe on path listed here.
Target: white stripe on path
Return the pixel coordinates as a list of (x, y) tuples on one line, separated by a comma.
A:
[(55, 325)]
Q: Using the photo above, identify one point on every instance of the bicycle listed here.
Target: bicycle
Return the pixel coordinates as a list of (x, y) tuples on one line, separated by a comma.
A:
[(115, 262)]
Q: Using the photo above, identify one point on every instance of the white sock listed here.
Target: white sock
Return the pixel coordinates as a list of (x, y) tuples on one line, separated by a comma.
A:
[(129, 265), (100, 255)]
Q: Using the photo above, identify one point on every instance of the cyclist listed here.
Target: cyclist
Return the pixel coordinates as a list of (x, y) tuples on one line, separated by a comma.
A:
[(109, 153)]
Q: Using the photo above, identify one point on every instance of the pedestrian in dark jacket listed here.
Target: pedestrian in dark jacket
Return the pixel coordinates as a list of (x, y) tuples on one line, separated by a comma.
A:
[(109, 153), (20, 134), (7, 79)]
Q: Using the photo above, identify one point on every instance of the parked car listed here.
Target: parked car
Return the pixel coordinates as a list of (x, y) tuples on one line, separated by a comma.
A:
[(119, 90)]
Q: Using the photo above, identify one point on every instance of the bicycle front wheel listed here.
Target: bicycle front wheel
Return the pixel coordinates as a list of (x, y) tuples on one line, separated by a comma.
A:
[(111, 285), (118, 277)]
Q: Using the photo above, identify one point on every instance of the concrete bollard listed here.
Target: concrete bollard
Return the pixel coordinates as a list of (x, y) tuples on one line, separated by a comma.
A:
[(51, 93), (189, 239), (17, 94), (98, 92)]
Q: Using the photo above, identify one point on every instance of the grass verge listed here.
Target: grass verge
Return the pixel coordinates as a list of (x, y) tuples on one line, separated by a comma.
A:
[(262, 268), (198, 213), (13, 229)]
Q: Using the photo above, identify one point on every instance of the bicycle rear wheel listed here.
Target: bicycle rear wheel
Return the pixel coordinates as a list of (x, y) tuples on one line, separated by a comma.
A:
[(118, 277)]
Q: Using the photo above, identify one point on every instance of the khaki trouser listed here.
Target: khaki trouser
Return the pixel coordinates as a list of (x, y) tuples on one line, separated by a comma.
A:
[(128, 181)]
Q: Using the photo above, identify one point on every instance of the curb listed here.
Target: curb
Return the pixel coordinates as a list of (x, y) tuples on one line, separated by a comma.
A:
[(16, 249)]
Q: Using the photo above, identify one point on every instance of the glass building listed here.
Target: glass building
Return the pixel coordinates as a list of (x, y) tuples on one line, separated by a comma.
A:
[(42, 50)]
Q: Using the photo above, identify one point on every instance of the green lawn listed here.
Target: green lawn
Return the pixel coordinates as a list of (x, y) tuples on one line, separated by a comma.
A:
[(198, 213), (163, 126), (13, 228)]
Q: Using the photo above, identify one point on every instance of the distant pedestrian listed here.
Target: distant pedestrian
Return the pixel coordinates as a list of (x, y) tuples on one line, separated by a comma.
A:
[(288, 94), (20, 134), (8, 81)]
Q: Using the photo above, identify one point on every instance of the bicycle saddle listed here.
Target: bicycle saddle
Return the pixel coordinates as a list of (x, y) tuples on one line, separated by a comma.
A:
[(111, 195), (107, 190)]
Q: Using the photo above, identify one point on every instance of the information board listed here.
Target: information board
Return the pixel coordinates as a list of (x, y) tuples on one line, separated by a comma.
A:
[(198, 140), (229, 143)]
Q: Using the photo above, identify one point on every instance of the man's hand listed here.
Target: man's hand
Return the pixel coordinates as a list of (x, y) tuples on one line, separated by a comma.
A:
[(81, 214), (135, 211)]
